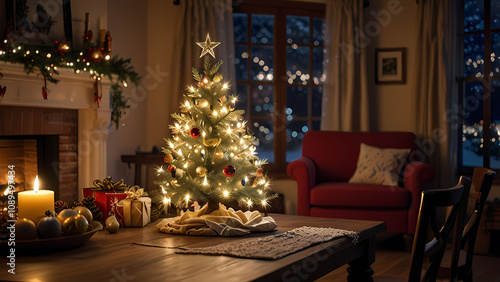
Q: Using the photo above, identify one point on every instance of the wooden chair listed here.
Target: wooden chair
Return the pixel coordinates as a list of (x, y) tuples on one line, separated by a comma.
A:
[(482, 180), (432, 200)]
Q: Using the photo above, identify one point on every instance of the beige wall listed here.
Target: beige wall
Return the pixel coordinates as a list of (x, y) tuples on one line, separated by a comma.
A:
[(391, 104), (127, 22)]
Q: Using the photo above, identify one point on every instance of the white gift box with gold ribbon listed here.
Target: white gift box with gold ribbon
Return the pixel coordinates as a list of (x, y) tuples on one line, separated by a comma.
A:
[(136, 208)]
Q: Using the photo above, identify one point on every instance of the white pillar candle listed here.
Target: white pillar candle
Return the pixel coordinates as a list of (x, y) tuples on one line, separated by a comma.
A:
[(34, 204)]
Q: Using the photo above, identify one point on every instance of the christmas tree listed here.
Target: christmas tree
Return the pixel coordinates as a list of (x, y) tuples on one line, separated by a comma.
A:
[(211, 156)]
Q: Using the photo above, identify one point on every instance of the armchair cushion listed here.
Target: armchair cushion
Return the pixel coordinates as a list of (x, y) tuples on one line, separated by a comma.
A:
[(379, 165), (352, 195)]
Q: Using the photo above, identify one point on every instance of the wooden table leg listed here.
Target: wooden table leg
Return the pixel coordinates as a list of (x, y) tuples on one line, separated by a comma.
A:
[(360, 270)]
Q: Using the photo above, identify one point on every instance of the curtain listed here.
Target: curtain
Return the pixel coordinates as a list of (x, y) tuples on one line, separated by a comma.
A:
[(199, 17), (345, 94), (433, 77)]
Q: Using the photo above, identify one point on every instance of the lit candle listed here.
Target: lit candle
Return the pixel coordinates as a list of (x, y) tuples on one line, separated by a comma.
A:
[(34, 204)]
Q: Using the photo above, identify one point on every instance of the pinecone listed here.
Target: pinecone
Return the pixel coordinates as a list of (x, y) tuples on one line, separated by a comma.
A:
[(59, 206), (156, 211), (89, 202)]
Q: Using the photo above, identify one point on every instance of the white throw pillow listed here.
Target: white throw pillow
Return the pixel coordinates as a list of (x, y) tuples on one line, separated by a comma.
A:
[(379, 166)]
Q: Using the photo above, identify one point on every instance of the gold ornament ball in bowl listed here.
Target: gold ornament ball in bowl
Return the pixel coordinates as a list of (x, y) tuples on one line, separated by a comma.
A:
[(25, 229), (81, 224), (85, 212), (64, 214)]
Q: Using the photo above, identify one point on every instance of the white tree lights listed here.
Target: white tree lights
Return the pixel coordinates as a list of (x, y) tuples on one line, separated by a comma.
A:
[(211, 157)]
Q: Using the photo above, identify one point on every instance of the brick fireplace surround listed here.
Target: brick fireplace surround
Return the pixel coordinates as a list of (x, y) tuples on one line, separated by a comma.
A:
[(69, 112), (20, 121)]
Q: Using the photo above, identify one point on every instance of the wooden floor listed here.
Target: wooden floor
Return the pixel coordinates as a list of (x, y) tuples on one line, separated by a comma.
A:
[(393, 259)]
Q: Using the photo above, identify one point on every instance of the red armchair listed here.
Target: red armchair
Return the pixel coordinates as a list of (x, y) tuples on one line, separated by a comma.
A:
[(328, 161)]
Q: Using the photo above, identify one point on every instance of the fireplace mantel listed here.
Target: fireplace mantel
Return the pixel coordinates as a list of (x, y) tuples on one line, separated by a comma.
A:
[(73, 91)]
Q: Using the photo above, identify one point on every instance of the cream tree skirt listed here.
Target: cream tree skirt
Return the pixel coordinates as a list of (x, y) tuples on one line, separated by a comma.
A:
[(222, 222)]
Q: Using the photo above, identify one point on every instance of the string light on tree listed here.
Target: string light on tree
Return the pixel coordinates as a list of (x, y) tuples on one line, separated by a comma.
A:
[(210, 134)]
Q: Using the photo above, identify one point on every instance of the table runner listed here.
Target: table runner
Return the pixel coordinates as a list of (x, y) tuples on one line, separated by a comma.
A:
[(275, 246)]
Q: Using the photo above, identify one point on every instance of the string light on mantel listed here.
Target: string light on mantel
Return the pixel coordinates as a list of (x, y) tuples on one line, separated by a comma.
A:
[(95, 60)]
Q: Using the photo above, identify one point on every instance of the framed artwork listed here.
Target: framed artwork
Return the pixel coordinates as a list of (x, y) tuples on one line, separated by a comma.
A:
[(390, 66), (36, 22)]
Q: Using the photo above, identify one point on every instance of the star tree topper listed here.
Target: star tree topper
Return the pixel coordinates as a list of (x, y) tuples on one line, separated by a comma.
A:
[(207, 46)]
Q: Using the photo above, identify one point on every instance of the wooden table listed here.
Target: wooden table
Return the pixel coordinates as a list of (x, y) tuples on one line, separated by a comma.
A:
[(139, 160), (144, 254)]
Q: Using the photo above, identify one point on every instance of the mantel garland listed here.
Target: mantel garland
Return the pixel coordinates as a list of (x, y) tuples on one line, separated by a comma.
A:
[(47, 60)]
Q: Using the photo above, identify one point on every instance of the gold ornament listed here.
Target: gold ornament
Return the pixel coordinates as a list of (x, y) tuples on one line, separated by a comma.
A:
[(219, 153), (203, 103), (207, 46), (201, 171), (168, 158), (211, 142), (112, 224)]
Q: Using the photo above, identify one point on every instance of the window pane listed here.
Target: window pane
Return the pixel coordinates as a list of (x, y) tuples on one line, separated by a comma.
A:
[(262, 100), (294, 134), (240, 62), (297, 64), (242, 103), (495, 53), (297, 30), (495, 14), (262, 63), (296, 101), (495, 124), (317, 99), (319, 31), (318, 76), (263, 131), (474, 55), (240, 26), (472, 128), (473, 15), (262, 29), (316, 125)]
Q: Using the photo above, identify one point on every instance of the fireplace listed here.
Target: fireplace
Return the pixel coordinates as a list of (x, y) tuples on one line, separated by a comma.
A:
[(47, 146), (69, 129)]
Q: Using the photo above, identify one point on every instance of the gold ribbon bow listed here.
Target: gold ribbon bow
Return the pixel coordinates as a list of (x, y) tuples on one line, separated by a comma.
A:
[(108, 184), (135, 192)]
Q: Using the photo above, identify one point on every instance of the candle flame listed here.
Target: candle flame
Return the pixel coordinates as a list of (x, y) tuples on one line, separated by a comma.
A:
[(36, 184)]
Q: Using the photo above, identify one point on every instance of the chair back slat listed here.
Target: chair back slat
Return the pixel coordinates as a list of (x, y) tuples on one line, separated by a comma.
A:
[(482, 180), (454, 197)]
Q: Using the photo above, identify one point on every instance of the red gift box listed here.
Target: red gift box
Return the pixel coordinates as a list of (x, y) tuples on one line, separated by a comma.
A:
[(107, 202)]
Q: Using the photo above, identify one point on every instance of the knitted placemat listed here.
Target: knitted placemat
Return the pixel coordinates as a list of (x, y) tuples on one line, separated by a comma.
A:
[(275, 246)]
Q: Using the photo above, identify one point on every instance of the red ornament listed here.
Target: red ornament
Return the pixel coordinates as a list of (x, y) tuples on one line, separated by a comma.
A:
[(260, 172), (170, 168), (195, 132), (229, 170), (204, 81)]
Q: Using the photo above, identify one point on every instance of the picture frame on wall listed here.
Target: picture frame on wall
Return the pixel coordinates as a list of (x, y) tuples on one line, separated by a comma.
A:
[(36, 22), (390, 65)]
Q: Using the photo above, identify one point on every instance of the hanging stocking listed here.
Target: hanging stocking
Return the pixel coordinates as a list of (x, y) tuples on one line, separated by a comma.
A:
[(2, 92), (44, 90), (98, 90)]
